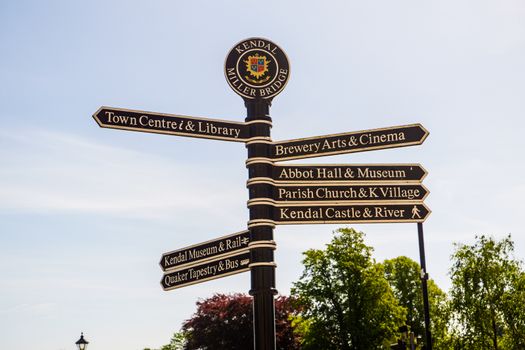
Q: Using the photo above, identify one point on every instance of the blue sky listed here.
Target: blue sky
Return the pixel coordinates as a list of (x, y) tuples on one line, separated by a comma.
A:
[(85, 212)]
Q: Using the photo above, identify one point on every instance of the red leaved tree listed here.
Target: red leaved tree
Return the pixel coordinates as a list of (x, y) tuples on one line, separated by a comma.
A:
[(225, 322)]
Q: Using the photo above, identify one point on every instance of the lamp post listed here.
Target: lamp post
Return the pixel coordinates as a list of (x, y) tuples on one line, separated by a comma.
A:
[(82, 343)]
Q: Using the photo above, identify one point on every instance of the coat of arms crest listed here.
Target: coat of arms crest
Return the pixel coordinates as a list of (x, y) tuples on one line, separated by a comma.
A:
[(257, 66)]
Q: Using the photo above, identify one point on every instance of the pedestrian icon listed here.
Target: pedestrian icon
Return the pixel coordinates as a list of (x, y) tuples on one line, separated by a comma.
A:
[(415, 212)]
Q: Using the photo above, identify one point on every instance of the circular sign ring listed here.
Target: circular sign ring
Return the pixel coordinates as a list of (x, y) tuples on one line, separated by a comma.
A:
[(256, 68)]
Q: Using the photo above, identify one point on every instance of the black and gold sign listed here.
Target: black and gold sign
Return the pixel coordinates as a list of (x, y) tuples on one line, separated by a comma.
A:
[(304, 213), (256, 68), (222, 267), (171, 124), (349, 142), (210, 250), (333, 193), (321, 173)]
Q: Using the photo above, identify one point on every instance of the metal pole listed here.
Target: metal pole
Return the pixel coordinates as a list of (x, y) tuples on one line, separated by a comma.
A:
[(262, 265), (424, 278)]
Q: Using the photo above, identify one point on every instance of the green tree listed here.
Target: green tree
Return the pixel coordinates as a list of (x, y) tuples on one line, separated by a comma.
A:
[(486, 291), (348, 304), (176, 343), (514, 314), (404, 276)]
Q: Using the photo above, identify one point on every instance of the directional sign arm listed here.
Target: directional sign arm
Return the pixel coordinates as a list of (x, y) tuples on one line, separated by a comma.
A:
[(358, 141), (207, 271), (322, 173), (171, 124), (209, 250), (313, 193), (303, 213)]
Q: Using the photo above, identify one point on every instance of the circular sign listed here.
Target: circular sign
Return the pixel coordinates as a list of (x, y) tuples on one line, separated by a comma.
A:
[(257, 68)]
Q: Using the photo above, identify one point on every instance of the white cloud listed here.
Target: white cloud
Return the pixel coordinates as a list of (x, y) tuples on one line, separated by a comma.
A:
[(55, 172), (38, 309)]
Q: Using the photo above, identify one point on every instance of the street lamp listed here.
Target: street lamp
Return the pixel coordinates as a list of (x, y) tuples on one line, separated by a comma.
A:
[(82, 343)]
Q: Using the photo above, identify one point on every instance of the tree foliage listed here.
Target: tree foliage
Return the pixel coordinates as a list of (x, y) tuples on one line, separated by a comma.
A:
[(225, 322), (514, 313), (404, 276), (487, 295), (176, 343), (348, 303), (345, 301)]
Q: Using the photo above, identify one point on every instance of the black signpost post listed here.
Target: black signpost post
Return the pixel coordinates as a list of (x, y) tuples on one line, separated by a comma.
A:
[(258, 70), (262, 258), (424, 287)]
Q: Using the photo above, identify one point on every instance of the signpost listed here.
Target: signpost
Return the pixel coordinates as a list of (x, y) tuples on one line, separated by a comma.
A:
[(350, 142), (311, 213), (171, 124), (210, 250), (339, 193), (321, 173), (222, 267), (258, 70)]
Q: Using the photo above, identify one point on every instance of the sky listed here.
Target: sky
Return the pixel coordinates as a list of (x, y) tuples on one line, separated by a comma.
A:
[(86, 213)]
